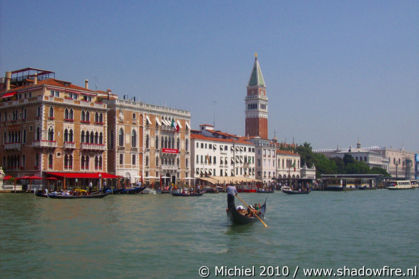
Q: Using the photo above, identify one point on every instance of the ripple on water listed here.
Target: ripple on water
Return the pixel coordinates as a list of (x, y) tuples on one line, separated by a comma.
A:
[(160, 236)]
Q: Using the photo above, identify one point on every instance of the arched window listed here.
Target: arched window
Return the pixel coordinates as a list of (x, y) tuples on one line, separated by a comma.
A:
[(87, 162), (101, 138), (71, 114), (147, 141), (70, 162), (65, 135), (66, 114), (186, 145), (157, 161), (146, 161), (157, 142), (83, 116), (165, 142), (66, 161), (50, 161), (101, 119), (134, 138), (121, 137), (96, 162), (51, 134), (70, 136), (178, 144), (87, 116), (96, 138), (51, 112), (100, 162), (92, 137), (82, 136), (96, 117)]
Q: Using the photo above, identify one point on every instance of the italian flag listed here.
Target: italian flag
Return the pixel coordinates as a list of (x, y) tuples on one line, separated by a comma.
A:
[(174, 125)]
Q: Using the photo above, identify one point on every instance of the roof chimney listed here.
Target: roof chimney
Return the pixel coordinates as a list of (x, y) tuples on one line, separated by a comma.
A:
[(8, 78), (86, 84), (35, 79)]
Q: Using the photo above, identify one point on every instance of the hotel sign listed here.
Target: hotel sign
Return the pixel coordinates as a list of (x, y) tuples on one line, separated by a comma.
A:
[(170, 150)]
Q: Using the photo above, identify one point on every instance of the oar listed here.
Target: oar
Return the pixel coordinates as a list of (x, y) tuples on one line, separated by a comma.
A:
[(257, 216)]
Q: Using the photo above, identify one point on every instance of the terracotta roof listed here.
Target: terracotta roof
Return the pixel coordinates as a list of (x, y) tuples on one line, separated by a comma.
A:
[(61, 83), (53, 82), (201, 137), (223, 134), (284, 152)]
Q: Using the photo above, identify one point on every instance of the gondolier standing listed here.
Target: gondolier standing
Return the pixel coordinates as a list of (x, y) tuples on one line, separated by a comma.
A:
[(231, 193)]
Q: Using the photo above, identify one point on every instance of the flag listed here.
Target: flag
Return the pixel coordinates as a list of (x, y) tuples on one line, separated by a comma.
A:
[(293, 165), (173, 124), (177, 128)]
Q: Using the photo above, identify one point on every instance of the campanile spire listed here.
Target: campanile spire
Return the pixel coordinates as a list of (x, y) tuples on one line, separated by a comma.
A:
[(256, 103)]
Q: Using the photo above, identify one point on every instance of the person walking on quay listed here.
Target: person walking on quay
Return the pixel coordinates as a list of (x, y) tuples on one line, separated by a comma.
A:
[(90, 186)]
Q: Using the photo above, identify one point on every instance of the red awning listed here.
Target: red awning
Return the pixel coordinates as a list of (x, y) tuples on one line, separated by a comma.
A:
[(7, 177), (10, 94), (95, 175)]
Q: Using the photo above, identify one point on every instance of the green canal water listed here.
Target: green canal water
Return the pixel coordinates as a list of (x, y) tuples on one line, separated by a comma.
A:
[(160, 236)]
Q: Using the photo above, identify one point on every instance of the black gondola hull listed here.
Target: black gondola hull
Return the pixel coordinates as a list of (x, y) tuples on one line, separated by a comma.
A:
[(239, 219)]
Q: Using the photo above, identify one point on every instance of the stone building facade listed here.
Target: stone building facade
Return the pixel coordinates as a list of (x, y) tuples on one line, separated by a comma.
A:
[(148, 143), (49, 125)]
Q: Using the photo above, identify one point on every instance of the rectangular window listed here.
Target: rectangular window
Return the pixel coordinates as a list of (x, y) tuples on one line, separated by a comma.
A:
[(121, 159), (133, 160)]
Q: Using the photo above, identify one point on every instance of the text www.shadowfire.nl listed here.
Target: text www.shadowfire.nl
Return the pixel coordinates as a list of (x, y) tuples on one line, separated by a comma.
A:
[(285, 271)]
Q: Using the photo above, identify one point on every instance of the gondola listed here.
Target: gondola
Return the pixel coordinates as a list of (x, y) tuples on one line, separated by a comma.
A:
[(97, 195), (267, 191), (125, 191), (289, 191), (176, 194), (239, 219), (134, 190)]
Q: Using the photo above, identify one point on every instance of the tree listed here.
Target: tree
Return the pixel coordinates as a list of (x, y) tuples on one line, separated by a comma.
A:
[(306, 154)]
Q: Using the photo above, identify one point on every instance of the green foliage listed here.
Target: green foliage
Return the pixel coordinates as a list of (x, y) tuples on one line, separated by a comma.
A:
[(323, 164), (306, 154)]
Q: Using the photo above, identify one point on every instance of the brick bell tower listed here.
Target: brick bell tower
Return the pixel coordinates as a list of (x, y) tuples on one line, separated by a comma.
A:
[(256, 104)]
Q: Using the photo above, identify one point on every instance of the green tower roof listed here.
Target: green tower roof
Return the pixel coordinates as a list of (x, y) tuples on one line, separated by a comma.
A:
[(256, 78)]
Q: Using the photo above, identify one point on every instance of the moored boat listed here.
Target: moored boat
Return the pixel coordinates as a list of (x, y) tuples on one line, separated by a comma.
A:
[(64, 195), (179, 194), (288, 190), (240, 219), (400, 185), (265, 190)]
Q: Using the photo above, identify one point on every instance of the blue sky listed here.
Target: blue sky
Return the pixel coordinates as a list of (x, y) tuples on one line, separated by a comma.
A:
[(335, 70)]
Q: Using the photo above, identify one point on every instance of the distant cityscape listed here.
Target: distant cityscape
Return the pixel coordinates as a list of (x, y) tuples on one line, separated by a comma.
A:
[(51, 127)]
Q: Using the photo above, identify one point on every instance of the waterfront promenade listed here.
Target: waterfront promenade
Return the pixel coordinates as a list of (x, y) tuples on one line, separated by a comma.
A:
[(160, 236)]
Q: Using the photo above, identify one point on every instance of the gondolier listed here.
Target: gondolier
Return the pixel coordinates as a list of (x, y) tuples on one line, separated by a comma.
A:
[(231, 193)]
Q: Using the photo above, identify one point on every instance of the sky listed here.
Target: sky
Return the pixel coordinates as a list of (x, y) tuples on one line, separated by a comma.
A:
[(335, 71)]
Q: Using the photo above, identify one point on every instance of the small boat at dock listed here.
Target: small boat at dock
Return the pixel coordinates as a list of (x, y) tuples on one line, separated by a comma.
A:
[(290, 191), (68, 195)]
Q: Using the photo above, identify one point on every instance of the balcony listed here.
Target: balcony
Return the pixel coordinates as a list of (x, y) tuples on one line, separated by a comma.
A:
[(69, 145), (93, 146), (12, 146), (45, 143)]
